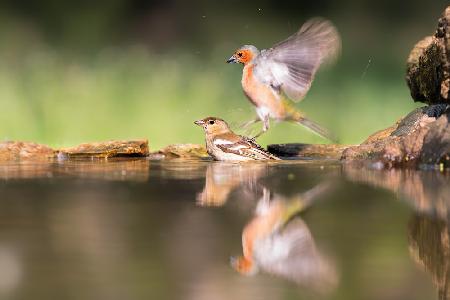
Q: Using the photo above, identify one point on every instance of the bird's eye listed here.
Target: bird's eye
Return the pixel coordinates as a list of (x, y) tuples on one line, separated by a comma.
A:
[(240, 54), (211, 122)]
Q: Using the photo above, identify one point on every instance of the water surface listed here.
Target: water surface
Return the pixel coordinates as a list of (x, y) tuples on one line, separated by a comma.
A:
[(140, 229)]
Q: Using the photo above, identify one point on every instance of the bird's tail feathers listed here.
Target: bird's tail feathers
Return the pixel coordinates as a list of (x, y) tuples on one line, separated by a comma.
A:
[(315, 128), (300, 202), (310, 195)]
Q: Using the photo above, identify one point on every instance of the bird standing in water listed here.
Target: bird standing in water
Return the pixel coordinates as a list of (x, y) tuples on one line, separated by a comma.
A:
[(223, 144), (272, 78)]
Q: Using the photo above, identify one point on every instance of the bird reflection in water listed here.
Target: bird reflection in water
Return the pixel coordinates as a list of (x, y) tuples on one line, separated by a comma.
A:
[(222, 178), (277, 241)]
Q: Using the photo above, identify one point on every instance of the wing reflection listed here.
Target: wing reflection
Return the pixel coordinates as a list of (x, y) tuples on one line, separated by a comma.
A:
[(222, 178), (277, 241)]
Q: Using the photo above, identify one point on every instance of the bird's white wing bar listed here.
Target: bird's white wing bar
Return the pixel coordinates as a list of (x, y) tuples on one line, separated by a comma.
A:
[(238, 147), (222, 142), (231, 146)]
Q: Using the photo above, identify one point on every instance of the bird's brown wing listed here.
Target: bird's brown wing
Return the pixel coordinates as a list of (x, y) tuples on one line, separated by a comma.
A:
[(290, 65), (258, 148), (243, 146)]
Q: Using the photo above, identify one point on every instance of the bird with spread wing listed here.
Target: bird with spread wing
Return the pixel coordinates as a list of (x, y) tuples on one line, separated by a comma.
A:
[(273, 79)]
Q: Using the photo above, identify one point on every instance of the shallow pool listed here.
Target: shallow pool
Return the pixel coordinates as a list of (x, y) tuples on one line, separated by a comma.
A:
[(177, 229)]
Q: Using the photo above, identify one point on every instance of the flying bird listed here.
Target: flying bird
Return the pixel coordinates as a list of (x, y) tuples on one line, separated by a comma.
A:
[(274, 78), (223, 144)]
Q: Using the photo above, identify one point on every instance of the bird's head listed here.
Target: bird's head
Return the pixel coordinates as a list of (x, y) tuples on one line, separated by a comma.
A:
[(244, 55), (243, 265), (213, 125)]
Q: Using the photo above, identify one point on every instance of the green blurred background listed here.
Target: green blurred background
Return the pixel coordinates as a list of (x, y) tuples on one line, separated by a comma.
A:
[(72, 73)]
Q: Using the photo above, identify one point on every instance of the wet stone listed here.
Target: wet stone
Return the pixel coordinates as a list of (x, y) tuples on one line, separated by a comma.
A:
[(13, 151), (436, 149), (181, 151), (422, 137), (16, 150), (135, 148)]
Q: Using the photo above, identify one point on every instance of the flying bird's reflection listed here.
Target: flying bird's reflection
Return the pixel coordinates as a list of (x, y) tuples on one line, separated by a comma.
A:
[(277, 241), (223, 178)]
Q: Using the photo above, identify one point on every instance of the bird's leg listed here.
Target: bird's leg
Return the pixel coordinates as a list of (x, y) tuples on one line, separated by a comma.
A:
[(263, 205), (247, 124), (266, 125), (251, 122)]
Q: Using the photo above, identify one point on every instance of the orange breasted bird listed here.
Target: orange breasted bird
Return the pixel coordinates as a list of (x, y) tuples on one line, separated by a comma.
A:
[(223, 144), (274, 78)]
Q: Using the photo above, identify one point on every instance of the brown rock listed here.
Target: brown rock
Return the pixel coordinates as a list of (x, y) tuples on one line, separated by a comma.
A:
[(13, 151), (436, 145), (424, 73), (381, 134), (428, 65), (406, 143), (181, 151), (108, 149)]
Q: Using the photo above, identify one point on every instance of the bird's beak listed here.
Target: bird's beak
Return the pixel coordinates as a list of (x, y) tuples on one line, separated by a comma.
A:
[(232, 60), (199, 122)]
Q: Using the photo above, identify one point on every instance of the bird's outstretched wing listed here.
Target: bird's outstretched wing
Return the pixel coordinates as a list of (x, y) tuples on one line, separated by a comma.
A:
[(244, 146), (290, 65), (291, 253)]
